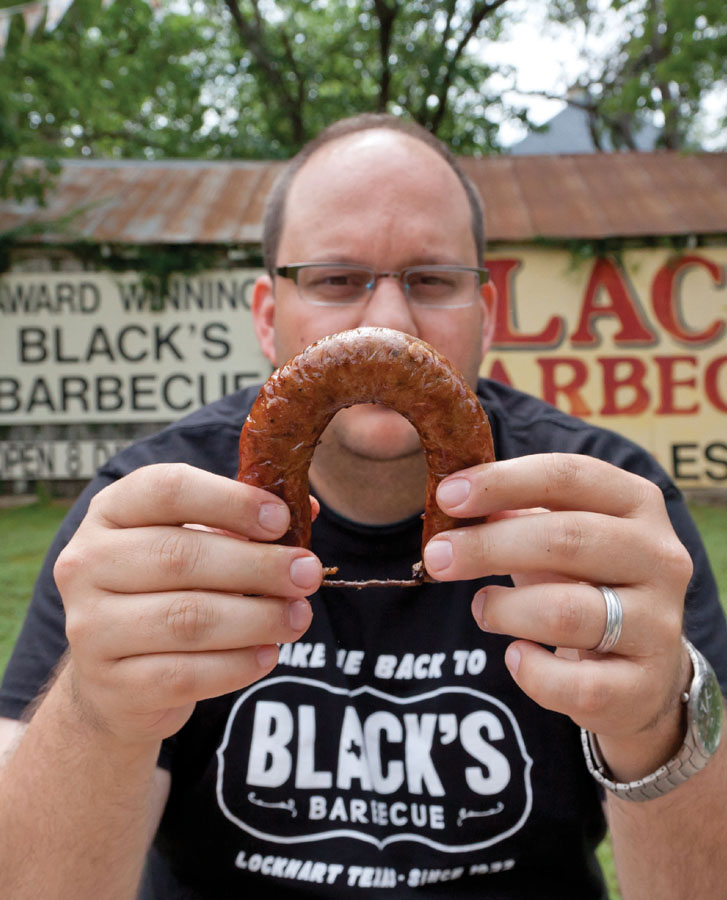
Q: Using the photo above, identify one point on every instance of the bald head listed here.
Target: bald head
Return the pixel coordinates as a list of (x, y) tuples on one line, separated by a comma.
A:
[(369, 122)]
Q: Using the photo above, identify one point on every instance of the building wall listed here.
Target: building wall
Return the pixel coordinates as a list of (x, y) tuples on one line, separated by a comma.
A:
[(89, 360)]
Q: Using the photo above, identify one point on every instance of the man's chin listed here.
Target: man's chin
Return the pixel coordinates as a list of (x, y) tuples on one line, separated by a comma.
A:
[(376, 433)]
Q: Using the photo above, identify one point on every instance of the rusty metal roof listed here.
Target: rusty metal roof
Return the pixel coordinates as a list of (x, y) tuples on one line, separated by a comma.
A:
[(602, 195), (526, 197)]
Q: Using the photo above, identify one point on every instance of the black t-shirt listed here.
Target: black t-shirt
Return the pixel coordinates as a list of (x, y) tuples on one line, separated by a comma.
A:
[(389, 753)]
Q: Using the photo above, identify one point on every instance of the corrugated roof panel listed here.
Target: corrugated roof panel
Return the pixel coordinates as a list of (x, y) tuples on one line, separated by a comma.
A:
[(197, 193), (526, 197), (136, 201), (165, 197), (506, 212), (559, 197), (692, 190), (228, 201), (715, 164), (107, 190), (239, 204), (257, 201), (626, 195)]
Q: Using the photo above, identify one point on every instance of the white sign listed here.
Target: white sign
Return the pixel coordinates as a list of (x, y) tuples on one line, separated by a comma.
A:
[(99, 347), (54, 460)]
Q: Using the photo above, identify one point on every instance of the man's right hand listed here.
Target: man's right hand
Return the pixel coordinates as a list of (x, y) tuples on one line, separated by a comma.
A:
[(159, 615)]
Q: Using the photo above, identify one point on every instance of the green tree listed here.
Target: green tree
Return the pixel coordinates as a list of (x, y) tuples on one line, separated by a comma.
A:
[(241, 78), (116, 82), (658, 62), (256, 78), (303, 63)]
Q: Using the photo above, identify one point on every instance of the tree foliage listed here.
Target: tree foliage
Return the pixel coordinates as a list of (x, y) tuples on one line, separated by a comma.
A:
[(304, 63), (658, 62), (107, 83), (243, 78), (256, 78)]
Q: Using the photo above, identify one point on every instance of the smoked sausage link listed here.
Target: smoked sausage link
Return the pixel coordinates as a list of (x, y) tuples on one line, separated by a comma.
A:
[(364, 365)]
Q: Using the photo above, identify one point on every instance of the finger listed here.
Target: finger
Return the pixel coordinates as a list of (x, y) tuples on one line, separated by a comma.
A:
[(515, 513), (188, 621), (315, 507), (590, 691), (582, 546), (172, 680), (565, 614), (551, 480), (195, 526), (177, 493), (164, 558)]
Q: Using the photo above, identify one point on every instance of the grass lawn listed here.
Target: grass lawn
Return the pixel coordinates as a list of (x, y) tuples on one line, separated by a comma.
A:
[(26, 532)]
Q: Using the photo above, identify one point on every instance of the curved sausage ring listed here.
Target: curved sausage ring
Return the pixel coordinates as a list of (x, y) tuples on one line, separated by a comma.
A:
[(365, 365)]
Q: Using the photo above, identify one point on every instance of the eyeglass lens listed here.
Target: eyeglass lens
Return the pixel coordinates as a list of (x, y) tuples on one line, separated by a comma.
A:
[(343, 285)]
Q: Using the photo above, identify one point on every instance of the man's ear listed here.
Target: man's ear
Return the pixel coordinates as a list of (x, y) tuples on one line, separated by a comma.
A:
[(489, 304), (263, 316)]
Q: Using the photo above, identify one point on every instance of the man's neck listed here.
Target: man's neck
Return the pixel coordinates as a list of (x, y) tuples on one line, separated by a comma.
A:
[(369, 491)]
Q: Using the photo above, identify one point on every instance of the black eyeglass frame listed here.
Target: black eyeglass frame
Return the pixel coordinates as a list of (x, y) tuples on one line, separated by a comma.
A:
[(292, 271)]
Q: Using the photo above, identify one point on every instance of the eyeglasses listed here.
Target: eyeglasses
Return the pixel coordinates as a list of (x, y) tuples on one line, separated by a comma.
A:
[(344, 284)]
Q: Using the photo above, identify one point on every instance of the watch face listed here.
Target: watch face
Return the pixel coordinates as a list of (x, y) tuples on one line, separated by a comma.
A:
[(708, 713)]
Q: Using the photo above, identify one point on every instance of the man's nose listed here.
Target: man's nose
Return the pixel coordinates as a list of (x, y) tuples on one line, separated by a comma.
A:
[(388, 306)]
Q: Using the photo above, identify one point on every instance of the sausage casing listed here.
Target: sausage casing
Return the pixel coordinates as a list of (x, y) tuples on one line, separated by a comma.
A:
[(364, 365)]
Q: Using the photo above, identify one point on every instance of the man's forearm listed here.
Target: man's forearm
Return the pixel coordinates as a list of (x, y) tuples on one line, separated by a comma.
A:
[(76, 808), (673, 847)]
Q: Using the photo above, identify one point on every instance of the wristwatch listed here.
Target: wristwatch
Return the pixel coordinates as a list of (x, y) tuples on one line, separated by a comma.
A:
[(705, 711)]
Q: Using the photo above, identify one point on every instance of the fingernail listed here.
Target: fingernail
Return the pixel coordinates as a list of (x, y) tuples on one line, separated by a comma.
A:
[(512, 659), (267, 656), (273, 517), (478, 609), (299, 614), (453, 491), (305, 572), (438, 555)]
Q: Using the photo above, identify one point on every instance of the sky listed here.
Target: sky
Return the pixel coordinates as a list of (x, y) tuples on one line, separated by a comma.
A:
[(549, 58), (546, 59)]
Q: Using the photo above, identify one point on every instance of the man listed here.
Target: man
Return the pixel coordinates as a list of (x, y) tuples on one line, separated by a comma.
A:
[(401, 743)]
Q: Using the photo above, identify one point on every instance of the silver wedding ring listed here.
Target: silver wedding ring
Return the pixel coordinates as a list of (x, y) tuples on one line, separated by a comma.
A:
[(614, 620)]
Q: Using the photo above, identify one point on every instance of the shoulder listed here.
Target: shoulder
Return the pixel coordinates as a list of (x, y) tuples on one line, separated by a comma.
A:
[(207, 438)]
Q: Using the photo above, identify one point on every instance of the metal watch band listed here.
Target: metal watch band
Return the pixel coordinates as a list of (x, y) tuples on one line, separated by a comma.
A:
[(691, 758)]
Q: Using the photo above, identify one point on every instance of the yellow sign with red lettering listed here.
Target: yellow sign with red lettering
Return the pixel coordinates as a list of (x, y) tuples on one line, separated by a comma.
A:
[(636, 343)]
